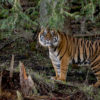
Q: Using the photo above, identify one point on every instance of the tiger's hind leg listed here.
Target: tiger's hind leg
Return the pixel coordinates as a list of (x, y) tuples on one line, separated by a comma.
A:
[(95, 66)]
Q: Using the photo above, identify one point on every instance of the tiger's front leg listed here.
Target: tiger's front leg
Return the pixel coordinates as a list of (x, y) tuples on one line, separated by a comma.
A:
[(56, 72), (64, 68)]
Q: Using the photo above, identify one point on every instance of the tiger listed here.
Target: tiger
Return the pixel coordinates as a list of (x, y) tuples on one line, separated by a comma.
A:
[(65, 49)]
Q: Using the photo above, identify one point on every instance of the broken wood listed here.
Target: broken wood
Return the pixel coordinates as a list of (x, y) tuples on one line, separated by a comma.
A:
[(86, 35), (12, 66), (26, 82), (36, 84)]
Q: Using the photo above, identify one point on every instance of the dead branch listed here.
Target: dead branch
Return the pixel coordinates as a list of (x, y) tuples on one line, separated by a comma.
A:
[(12, 66), (17, 34), (86, 35), (8, 42), (37, 98)]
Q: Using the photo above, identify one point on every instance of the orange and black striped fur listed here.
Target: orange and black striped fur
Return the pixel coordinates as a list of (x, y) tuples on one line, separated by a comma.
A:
[(65, 49)]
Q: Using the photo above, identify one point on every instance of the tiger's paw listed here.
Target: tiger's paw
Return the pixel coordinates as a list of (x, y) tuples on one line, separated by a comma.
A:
[(54, 77), (61, 79)]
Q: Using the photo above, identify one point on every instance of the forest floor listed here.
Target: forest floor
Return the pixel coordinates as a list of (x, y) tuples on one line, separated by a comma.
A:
[(78, 85)]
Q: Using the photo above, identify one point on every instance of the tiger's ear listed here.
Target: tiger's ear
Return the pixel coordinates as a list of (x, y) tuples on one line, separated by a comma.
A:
[(52, 32), (45, 31)]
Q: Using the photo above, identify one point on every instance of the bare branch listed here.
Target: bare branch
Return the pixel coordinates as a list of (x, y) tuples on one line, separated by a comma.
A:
[(12, 66)]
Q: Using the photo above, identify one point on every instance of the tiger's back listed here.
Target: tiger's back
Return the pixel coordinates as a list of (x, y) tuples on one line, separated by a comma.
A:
[(84, 50), (65, 49)]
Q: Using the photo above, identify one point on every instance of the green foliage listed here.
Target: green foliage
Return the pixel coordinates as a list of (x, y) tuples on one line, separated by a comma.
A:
[(7, 1), (14, 18), (52, 13), (90, 91), (55, 11), (56, 19), (88, 9), (97, 97), (87, 89)]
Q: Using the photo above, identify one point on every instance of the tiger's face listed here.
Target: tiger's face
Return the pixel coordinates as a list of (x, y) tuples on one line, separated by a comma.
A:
[(49, 38)]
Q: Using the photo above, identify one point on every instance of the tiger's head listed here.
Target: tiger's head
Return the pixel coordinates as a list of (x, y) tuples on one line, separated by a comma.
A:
[(49, 38)]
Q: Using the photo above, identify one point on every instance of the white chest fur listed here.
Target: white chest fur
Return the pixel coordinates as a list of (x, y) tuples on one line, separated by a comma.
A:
[(55, 60), (53, 57)]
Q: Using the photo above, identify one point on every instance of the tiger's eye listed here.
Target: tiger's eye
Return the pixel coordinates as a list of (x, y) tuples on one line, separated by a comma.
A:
[(42, 37), (54, 39)]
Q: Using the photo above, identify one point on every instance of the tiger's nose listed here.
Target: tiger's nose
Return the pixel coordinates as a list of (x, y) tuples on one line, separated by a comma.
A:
[(48, 38), (48, 42)]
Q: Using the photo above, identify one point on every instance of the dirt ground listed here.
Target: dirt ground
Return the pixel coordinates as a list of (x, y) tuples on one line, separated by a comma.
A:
[(78, 85)]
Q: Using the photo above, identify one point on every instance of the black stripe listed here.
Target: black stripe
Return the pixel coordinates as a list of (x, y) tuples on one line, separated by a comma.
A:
[(96, 70), (73, 40), (65, 49), (87, 43), (94, 58), (58, 66), (91, 48), (60, 46), (95, 63), (96, 48), (84, 54), (59, 51), (73, 61), (92, 42), (89, 52), (79, 60), (81, 42), (97, 75), (83, 51), (76, 41), (55, 48)]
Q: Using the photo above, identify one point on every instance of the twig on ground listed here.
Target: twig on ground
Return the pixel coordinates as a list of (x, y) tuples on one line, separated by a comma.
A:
[(12, 66)]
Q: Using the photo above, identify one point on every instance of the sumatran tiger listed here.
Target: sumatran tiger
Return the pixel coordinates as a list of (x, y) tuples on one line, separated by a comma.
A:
[(65, 49)]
